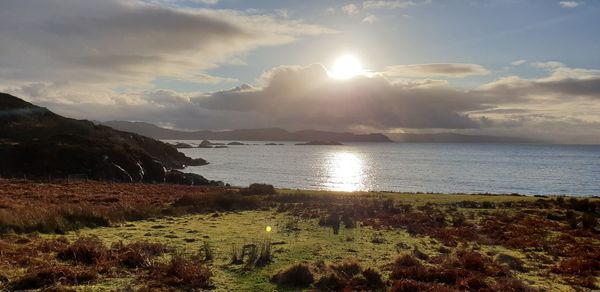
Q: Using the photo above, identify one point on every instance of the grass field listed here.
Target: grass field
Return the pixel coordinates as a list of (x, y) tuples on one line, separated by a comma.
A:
[(96, 236)]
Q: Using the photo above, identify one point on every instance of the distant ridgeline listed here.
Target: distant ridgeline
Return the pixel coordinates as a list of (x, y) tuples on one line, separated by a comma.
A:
[(269, 134), (37, 143)]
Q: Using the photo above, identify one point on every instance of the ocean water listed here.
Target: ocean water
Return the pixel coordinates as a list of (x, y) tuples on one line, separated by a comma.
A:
[(408, 167)]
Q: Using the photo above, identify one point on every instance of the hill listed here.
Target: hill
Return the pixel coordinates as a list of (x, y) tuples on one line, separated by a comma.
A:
[(36, 142), (267, 134)]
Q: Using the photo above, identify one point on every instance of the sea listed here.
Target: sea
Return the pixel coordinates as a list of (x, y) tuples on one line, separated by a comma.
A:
[(530, 169)]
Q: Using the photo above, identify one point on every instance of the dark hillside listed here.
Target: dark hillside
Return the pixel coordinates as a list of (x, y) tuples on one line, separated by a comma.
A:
[(37, 142)]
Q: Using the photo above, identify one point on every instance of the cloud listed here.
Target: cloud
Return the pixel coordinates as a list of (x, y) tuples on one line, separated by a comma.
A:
[(370, 19), (350, 9), (562, 106), (552, 89), (518, 62), (439, 69), (127, 42), (205, 78), (568, 4), (388, 4), (301, 97)]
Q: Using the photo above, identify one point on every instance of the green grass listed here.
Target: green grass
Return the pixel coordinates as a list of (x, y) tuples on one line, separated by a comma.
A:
[(297, 237), (311, 243)]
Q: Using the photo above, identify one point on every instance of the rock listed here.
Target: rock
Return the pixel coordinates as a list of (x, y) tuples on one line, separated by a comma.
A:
[(178, 177), (321, 143), (154, 170), (236, 143), (119, 174), (182, 145), (205, 144)]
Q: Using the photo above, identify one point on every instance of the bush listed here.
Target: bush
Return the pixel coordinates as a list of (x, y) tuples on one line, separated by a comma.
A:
[(330, 282), (406, 285), (137, 254), (181, 272), (86, 250), (347, 269), (511, 284), (374, 281), (512, 262), (208, 252), (589, 221), (258, 189), (298, 275), (40, 277)]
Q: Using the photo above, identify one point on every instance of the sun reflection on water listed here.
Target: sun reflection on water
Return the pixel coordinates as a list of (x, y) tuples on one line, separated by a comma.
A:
[(346, 172)]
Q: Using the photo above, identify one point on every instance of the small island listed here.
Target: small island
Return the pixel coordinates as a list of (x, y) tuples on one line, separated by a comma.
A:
[(320, 143), (236, 143), (182, 145), (208, 144)]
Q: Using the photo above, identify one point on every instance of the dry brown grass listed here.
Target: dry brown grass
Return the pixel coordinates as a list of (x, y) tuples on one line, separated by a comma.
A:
[(181, 272), (27, 207), (50, 262)]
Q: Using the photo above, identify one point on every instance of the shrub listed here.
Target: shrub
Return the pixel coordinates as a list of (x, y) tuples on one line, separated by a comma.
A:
[(347, 269), (265, 255), (374, 281), (589, 221), (407, 285), (208, 251), (348, 221), (581, 266), (86, 250), (181, 272), (258, 189), (330, 282), (334, 221), (298, 275), (406, 260), (40, 277), (472, 260), (511, 284), (236, 256), (583, 205), (137, 254), (512, 262)]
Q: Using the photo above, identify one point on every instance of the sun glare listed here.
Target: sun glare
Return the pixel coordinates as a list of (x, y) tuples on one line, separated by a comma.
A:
[(346, 171), (346, 67)]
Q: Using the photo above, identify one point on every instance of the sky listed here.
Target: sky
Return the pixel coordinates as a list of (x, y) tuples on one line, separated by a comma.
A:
[(504, 67)]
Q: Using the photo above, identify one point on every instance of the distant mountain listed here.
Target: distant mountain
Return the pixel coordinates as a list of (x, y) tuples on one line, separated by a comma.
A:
[(269, 134), (457, 138), (39, 143)]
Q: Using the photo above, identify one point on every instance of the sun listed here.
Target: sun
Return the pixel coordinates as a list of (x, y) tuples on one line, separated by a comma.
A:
[(346, 67)]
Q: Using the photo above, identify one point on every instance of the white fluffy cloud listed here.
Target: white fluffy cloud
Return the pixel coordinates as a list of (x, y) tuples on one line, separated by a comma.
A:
[(568, 4), (518, 62), (350, 9)]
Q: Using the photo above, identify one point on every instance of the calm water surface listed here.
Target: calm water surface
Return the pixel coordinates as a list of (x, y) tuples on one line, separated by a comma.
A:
[(465, 168)]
